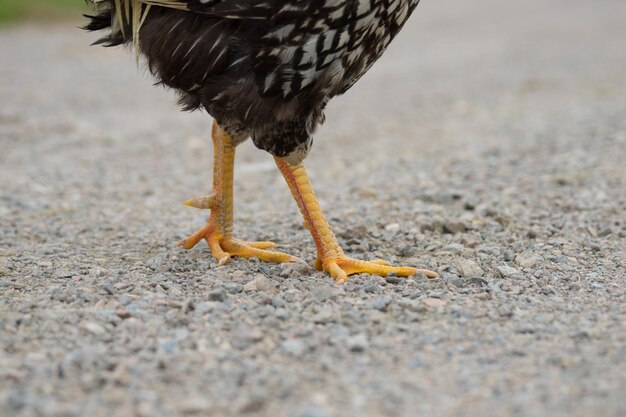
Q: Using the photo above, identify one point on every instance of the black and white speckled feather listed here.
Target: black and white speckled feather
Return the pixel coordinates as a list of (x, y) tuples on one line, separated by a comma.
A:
[(262, 68)]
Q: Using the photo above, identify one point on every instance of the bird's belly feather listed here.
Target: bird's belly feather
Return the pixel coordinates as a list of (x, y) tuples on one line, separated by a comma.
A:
[(269, 78)]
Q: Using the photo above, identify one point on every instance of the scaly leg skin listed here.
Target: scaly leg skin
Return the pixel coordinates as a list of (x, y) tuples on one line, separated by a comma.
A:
[(330, 256), (218, 230)]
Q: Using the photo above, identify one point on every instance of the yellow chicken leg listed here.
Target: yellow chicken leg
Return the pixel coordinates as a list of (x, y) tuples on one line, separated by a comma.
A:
[(330, 256), (218, 231)]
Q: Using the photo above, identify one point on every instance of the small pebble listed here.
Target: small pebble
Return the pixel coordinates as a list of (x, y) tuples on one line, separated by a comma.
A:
[(468, 268), (357, 343), (393, 279), (382, 303), (294, 347), (507, 271), (122, 313), (217, 294), (433, 302), (259, 283)]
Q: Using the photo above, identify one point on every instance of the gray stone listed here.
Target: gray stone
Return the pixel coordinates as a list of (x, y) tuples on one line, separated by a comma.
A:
[(259, 283), (468, 268), (278, 302), (217, 294), (295, 347), (528, 260), (507, 271), (324, 315), (381, 303), (452, 226), (394, 280), (314, 412), (357, 343)]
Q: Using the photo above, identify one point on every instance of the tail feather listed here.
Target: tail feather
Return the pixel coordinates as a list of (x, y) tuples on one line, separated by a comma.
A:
[(106, 18), (124, 18)]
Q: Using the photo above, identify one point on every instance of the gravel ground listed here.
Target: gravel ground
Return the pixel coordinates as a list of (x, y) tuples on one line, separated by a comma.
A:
[(488, 144)]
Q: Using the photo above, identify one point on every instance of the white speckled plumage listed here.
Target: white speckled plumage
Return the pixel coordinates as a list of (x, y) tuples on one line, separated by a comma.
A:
[(267, 68)]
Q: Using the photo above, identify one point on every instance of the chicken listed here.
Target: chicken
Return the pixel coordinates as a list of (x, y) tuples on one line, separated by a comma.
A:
[(263, 70)]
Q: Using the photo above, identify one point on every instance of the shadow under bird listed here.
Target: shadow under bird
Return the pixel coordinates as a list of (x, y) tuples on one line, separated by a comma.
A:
[(263, 69)]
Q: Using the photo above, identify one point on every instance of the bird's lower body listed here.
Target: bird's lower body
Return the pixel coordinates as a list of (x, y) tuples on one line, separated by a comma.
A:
[(218, 231)]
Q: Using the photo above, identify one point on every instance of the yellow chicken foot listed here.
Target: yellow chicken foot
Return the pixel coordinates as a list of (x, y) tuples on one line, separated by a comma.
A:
[(218, 230), (330, 256)]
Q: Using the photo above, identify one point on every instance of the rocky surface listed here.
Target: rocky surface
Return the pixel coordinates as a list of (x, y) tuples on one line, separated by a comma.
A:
[(488, 144)]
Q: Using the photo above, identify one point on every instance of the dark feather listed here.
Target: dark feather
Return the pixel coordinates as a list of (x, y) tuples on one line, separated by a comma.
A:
[(266, 68)]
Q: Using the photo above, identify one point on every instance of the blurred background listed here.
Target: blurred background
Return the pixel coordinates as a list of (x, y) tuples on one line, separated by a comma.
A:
[(13, 11)]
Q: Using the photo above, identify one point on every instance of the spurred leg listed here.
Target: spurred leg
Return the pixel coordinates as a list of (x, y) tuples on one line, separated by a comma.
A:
[(218, 231), (330, 256)]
